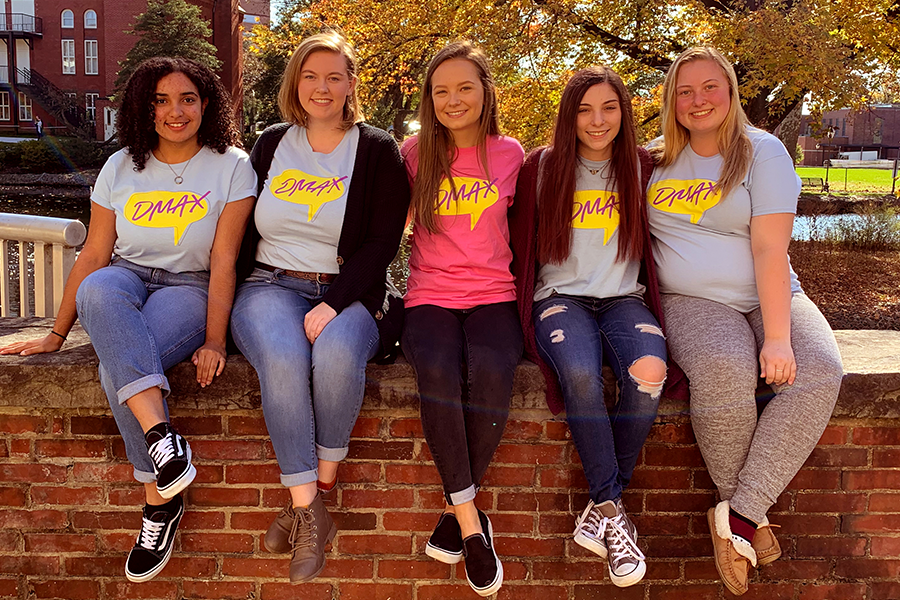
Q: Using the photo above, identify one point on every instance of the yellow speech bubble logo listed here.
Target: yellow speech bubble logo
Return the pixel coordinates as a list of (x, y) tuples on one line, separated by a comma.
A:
[(596, 209), (473, 197), (161, 209), (298, 187), (684, 196)]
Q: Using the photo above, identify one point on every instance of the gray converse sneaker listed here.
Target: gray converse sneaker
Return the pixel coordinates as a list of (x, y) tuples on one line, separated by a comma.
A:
[(626, 561), (590, 530)]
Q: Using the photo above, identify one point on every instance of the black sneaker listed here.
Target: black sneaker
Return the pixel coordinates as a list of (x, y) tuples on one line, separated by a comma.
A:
[(171, 456), (445, 543), (483, 569), (154, 544)]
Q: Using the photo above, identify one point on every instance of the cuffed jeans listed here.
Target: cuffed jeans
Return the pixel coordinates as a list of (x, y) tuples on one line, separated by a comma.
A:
[(141, 322), (311, 393), (573, 336), (464, 360)]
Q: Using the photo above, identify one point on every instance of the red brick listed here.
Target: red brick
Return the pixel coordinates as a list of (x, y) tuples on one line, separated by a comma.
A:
[(661, 524), (888, 590), (374, 544), (29, 565), (32, 473), (563, 478), (9, 541), (227, 496), (888, 503), (673, 456), (558, 430), (816, 479), (698, 570), (671, 433), (444, 592), (830, 546), (356, 472), (831, 503), (795, 569), (526, 546), (130, 519), (10, 496), (876, 436), (20, 448), (70, 448), (507, 523), (66, 495), (376, 591), (516, 501), (219, 590), (280, 496), (227, 449), (530, 591), (116, 541), (71, 589), (349, 568), (886, 458), (549, 524), (18, 424), (380, 450), (660, 479), (4, 451), (125, 590), (93, 426), (529, 454), (833, 591), (871, 479), (657, 570), (523, 430), (252, 521), (256, 567), (871, 523), (103, 472), (59, 542), (32, 519), (412, 569), (267, 473), (208, 519), (834, 434), (366, 427), (569, 571), (672, 502), (679, 592), (702, 480), (414, 473), (837, 456), (355, 521), (406, 428), (193, 567), (860, 568), (97, 566), (395, 498), (807, 524), (885, 546), (130, 496), (677, 547), (9, 587), (410, 521), (769, 591), (608, 592), (247, 426), (217, 543), (191, 426), (286, 591)]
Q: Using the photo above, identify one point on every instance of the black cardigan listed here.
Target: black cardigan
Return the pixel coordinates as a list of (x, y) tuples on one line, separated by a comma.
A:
[(377, 203)]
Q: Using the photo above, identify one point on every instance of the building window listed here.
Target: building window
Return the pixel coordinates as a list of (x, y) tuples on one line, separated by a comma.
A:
[(90, 19), (68, 57), (90, 103), (68, 19), (90, 57), (24, 107), (4, 106)]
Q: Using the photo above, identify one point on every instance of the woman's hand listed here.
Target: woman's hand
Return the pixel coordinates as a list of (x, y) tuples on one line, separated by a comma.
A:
[(316, 320), (49, 343), (210, 361), (776, 362)]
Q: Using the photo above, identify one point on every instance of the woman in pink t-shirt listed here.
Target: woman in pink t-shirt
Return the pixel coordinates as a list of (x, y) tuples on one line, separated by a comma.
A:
[(461, 295)]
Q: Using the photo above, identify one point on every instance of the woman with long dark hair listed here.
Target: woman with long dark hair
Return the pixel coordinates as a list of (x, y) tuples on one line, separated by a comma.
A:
[(580, 298), (170, 208), (461, 295)]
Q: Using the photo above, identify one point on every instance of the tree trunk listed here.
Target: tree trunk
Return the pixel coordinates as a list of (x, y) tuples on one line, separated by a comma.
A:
[(790, 131)]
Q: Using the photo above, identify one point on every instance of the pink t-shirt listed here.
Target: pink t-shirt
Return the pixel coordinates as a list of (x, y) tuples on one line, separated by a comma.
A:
[(466, 263)]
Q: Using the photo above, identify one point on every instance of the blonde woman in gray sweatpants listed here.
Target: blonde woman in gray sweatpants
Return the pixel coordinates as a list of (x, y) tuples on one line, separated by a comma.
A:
[(722, 201)]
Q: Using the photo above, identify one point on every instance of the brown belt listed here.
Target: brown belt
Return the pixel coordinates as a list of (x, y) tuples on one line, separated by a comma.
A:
[(318, 277)]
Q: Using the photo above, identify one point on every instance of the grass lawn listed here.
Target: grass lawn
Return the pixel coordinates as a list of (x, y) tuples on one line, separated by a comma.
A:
[(857, 180)]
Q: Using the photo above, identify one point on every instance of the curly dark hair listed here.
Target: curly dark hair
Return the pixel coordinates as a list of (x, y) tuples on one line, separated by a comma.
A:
[(135, 125)]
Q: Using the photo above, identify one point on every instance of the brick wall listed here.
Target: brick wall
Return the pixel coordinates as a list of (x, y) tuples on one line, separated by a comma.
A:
[(68, 516)]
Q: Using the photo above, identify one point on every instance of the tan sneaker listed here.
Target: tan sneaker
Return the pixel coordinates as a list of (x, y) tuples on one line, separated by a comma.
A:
[(312, 530), (279, 531), (765, 544), (732, 554)]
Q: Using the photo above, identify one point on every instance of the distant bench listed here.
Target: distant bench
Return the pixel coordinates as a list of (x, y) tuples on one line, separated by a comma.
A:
[(809, 182)]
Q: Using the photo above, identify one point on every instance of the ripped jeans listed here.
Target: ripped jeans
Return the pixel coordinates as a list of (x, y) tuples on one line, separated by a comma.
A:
[(574, 334)]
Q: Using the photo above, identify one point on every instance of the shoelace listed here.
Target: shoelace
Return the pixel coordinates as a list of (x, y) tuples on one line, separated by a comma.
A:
[(301, 533), (150, 531), (163, 450), (619, 541), (594, 524)]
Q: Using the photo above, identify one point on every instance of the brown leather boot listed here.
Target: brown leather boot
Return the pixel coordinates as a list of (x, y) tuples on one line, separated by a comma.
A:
[(312, 530), (279, 531), (733, 556), (766, 545)]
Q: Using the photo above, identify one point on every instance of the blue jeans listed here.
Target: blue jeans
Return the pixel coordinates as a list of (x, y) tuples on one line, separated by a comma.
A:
[(311, 393), (141, 322), (573, 336)]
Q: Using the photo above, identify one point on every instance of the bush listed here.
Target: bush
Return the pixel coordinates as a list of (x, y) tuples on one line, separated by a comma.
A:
[(54, 155), (877, 228), (39, 157), (10, 156)]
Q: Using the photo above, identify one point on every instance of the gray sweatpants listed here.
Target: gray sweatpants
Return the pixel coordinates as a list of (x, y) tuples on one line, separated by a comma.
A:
[(718, 348)]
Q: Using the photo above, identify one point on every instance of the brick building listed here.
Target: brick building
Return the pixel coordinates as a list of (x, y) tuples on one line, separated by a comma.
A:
[(59, 59), (874, 128)]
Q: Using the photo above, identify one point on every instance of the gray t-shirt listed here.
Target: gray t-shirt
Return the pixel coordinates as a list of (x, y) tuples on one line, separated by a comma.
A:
[(701, 240), (164, 225), (591, 268), (301, 207)]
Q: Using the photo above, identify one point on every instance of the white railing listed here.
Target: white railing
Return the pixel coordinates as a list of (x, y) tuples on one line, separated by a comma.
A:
[(54, 243)]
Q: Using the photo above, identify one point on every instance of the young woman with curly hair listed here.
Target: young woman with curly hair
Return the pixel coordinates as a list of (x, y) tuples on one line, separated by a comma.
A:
[(462, 335), (170, 209), (579, 229), (722, 202), (315, 303)]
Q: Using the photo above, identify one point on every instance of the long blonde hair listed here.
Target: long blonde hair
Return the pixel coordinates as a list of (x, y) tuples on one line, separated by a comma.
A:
[(732, 140), (288, 99), (435, 143)]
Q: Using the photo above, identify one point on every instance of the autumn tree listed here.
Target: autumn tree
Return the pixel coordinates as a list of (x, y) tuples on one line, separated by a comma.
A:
[(168, 28)]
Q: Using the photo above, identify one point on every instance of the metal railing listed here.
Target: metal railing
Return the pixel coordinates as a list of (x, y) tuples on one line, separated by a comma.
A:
[(20, 22), (54, 242)]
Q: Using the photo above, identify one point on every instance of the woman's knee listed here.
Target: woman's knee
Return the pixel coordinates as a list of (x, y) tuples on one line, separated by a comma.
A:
[(648, 374), (101, 288)]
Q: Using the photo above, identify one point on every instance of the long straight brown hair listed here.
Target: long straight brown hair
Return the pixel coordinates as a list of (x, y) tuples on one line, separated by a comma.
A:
[(435, 143), (556, 196)]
